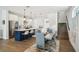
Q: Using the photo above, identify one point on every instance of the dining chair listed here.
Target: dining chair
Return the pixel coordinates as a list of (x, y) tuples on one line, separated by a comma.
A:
[(40, 40)]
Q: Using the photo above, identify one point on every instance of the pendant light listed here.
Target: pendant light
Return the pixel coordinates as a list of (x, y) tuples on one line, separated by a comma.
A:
[(24, 14)]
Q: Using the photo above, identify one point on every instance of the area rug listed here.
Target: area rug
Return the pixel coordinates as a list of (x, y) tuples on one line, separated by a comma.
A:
[(50, 46)]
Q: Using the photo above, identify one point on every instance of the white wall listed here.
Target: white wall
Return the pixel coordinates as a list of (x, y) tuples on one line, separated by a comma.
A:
[(51, 17), (9, 17), (62, 17), (14, 18), (0, 23), (38, 22), (74, 29), (5, 26), (69, 18)]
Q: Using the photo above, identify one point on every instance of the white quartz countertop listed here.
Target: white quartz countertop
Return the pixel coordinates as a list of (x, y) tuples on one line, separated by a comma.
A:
[(24, 29)]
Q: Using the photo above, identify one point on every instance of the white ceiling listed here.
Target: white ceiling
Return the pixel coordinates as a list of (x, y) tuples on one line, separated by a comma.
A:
[(36, 10)]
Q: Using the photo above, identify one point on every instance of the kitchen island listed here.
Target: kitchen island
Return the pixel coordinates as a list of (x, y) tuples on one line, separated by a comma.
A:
[(21, 35)]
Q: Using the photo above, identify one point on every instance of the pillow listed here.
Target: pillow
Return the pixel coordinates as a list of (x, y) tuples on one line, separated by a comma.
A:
[(49, 30)]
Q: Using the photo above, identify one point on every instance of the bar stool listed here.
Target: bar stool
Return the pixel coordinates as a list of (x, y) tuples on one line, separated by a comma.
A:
[(25, 34)]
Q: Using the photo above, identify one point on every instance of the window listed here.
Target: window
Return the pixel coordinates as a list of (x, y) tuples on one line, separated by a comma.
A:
[(75, 12)]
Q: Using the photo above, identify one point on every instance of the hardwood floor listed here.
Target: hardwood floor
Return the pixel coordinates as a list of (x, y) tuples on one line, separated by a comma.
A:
[(15, 46), (19, 46), (65, 45)]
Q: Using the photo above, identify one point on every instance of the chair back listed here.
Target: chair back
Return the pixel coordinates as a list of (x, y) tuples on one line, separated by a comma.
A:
[(40, 41)]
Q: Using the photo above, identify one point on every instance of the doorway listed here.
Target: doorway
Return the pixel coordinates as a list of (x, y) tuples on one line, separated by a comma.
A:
[(11, 28)]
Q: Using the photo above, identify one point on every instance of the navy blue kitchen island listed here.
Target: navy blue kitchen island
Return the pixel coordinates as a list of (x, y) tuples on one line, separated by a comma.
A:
[(19, 34)]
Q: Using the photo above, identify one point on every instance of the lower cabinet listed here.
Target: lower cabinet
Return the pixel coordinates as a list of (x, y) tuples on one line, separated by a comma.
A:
[(19, 36)]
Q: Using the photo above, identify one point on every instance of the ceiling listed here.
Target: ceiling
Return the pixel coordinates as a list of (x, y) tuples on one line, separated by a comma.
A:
[(35, 10)]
